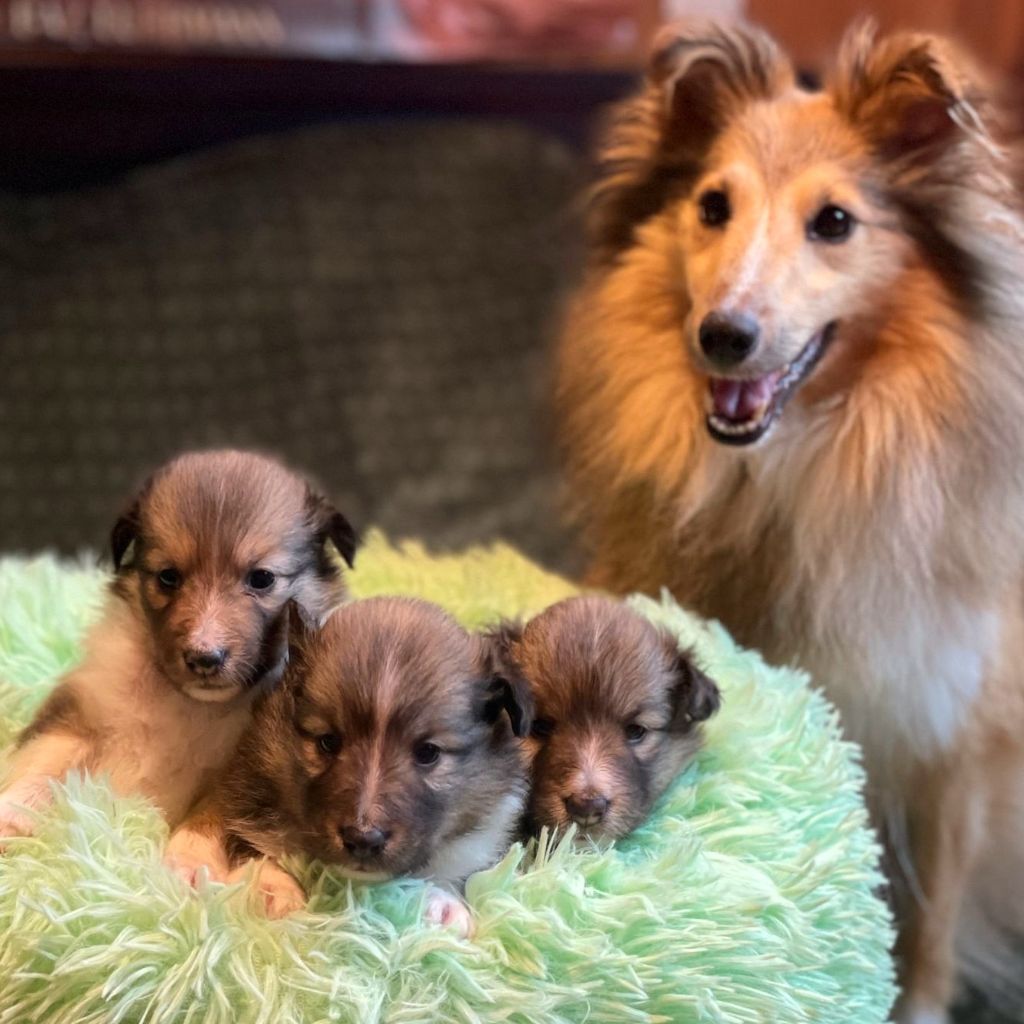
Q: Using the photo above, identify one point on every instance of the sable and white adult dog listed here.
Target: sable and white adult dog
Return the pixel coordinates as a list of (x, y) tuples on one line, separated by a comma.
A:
[(195, 627), (792, 389)]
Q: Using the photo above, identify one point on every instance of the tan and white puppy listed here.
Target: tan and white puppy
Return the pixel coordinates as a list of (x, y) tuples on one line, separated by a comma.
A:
[(195, 627), (390, 749), (617, 713)]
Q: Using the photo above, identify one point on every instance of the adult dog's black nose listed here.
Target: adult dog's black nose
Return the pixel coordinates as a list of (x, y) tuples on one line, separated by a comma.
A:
[(364, 843), (728, 339), (586, 810), (205, 661)]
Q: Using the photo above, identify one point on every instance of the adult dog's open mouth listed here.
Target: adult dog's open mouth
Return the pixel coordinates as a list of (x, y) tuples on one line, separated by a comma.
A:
[(741, 411)]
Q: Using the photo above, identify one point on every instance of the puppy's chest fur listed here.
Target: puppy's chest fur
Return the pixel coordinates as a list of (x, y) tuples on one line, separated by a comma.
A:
[(147, 736), (484, 844)]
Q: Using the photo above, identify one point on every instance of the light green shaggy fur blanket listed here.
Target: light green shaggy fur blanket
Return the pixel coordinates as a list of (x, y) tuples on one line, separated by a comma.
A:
[(749, 897)]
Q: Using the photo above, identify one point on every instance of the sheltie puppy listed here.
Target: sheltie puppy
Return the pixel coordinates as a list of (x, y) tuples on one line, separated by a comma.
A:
[(390, 749), (617, 714), (206, 560), (791, 389)]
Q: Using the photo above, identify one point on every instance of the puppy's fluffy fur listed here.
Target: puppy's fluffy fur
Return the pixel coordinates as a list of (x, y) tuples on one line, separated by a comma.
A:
[(390, 749), (617, 713), (839, 479), (207, 558)]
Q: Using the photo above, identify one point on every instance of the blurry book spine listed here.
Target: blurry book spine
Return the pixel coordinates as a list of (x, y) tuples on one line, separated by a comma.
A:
[(313, 27)]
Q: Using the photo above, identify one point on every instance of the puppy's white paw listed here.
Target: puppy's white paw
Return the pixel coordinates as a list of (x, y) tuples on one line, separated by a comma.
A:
[(447, 910), (189, 854), (14, 821), (277, 892)]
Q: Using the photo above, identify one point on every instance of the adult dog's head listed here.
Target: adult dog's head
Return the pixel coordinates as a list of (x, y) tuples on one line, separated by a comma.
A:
[(762, 231)]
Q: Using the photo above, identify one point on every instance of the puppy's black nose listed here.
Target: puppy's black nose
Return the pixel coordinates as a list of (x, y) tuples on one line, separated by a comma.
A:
[(728, 340), (586, 810), (205, 661), (364, 843)]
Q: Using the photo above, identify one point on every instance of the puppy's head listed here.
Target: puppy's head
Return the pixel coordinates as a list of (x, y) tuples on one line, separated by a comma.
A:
[(393, 736), (210, 552), (617, 710)]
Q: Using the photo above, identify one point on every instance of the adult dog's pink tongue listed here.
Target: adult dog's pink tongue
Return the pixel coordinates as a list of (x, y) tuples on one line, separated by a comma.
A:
[(740, 400)]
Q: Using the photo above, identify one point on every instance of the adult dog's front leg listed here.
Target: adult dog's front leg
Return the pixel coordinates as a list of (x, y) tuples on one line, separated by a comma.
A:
[(946, 823)]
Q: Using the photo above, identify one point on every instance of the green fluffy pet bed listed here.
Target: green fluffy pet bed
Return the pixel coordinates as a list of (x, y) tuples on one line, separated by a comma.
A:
[(748, 898)]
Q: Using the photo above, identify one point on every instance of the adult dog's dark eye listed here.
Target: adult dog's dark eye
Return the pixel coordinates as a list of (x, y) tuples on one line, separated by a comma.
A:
[(542, 728), (169, 579), (714, 208), (426, 754), (260, 579), (635, 732), (831, 224), (329, 743)]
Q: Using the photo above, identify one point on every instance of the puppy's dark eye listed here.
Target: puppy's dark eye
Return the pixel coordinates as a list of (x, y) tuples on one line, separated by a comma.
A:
[(831, 224), (426, 754), (714, 208), (260, 579), (329, 743), (169, 579), (542, 728), (635, 732)]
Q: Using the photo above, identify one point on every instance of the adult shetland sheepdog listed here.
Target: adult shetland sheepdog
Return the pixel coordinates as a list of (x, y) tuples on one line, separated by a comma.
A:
[(792, 391)]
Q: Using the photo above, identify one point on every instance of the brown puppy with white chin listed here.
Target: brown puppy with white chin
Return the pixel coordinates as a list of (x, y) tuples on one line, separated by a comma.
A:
[(207, 558), (391, 748), (617, 711)]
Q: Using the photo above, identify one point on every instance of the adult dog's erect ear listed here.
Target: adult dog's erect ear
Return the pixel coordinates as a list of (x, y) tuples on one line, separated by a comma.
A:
[(912, 95), (706, 70), (330, 524), (699, 74)]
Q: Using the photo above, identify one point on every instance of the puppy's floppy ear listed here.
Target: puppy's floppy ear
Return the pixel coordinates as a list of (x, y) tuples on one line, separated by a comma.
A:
[(706, 70), (912, 95), (301, 632), (695, 697), (506, 689), (125, 532), (329, 524)]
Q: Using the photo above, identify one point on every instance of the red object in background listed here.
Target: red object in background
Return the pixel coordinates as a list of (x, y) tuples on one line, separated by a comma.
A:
[(486, 28)]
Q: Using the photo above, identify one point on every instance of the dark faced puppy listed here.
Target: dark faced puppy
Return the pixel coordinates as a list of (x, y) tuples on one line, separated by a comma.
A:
[(617, 713), (220, 542), (390, 749)]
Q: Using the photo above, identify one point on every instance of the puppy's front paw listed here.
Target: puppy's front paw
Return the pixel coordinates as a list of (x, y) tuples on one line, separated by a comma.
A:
[(278, 893), (189, 854), (14, 821), (446, 910)]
